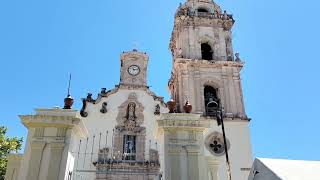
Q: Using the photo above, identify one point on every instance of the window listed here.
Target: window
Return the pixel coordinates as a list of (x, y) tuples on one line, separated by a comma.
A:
[(202, 10), (206, 51), (211, 100), (129, 147)]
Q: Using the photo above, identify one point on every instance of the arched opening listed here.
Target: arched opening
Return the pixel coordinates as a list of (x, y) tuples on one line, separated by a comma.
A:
[(211, 100), (202, 10), (206, 51)]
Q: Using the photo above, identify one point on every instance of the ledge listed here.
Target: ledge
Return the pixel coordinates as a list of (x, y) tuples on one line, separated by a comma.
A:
[(182, 120)]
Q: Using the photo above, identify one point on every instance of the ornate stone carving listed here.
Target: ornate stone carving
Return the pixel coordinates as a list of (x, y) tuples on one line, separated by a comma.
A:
[(83, 113), (154, 156), (157, 110), (104, 108), (89, 98), (215, 144), (130, 113), (103, 91), (238, 57)]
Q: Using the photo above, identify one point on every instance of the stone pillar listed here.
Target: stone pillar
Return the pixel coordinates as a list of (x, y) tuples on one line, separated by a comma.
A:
[(183, 141), (52, 135), (13, 166)]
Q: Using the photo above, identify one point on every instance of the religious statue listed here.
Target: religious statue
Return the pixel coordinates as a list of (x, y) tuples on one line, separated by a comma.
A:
[(238, 57), (180, 53), (131, 112), (225, 15)]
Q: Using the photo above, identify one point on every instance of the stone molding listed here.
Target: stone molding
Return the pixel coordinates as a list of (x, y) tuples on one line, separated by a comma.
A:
[(106, 94), (61, 119), (182, 122), (57, 146)]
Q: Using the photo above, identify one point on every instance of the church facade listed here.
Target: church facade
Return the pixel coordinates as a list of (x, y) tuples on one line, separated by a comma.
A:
[(130, 133)]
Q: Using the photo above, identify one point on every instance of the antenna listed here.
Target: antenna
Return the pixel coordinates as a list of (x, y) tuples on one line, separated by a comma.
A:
[(69, 84), (68, 101)]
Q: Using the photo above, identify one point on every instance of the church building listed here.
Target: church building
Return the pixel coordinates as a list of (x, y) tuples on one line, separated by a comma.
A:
[(130, 133)]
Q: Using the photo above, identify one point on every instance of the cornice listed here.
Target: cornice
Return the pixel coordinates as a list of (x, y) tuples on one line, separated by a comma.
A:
[(182, 121), (49, 121), (208, 63)]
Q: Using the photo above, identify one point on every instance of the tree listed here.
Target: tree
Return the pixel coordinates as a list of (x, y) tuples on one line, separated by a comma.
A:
[(7, 145)]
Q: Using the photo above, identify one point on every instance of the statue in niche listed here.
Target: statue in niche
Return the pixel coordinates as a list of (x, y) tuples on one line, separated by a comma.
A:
[(131, 112), (131, 116), (180, 53)]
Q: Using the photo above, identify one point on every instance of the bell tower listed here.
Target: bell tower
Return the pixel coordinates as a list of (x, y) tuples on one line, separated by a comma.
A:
[(205, 87), (204, 67)]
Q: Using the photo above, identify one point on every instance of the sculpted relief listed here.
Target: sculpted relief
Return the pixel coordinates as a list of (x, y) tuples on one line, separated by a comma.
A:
[(130, 115)]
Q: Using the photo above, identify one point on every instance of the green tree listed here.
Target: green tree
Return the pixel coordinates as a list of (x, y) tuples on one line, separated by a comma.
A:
[(7, 145)]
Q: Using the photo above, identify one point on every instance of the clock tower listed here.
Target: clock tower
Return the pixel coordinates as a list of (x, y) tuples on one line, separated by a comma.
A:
[(133, 69)]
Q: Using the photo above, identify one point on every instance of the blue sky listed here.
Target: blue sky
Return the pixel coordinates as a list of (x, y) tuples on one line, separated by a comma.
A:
[(41, 42)]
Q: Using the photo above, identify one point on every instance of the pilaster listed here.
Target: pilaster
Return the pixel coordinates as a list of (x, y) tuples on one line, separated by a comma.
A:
[(52, 133), (183, 152), (37, 149)]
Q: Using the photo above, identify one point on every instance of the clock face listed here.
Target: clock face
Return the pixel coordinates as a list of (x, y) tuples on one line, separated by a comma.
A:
[(134, 70)]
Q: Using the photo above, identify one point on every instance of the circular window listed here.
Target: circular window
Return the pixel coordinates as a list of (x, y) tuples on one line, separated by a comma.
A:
[(215, 144)]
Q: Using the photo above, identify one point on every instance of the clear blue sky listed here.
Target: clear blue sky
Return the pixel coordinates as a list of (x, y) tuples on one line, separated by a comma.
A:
[(41, 42)]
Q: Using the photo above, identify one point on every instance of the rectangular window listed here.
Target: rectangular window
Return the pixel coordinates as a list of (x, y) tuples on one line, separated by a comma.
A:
[(129, 147)]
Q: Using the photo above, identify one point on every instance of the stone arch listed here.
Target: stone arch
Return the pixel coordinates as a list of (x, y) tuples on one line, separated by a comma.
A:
[(207, 39), (203, 9), (215, 83)]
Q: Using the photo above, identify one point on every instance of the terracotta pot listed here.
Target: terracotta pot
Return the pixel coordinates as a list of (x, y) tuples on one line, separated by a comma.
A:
[(171, 105), (187, 107), (68, 102)]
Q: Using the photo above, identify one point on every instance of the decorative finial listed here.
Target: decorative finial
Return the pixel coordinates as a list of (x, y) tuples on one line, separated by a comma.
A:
[(135, 46), (238, 59), (68, 101), (171, 106), (187, 107)]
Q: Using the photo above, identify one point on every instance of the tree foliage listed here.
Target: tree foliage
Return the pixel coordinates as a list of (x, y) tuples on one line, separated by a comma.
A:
[(7, 145)]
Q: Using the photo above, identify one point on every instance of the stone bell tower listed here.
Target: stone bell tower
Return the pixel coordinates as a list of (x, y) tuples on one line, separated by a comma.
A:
[(204, 66), (206, 74)]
